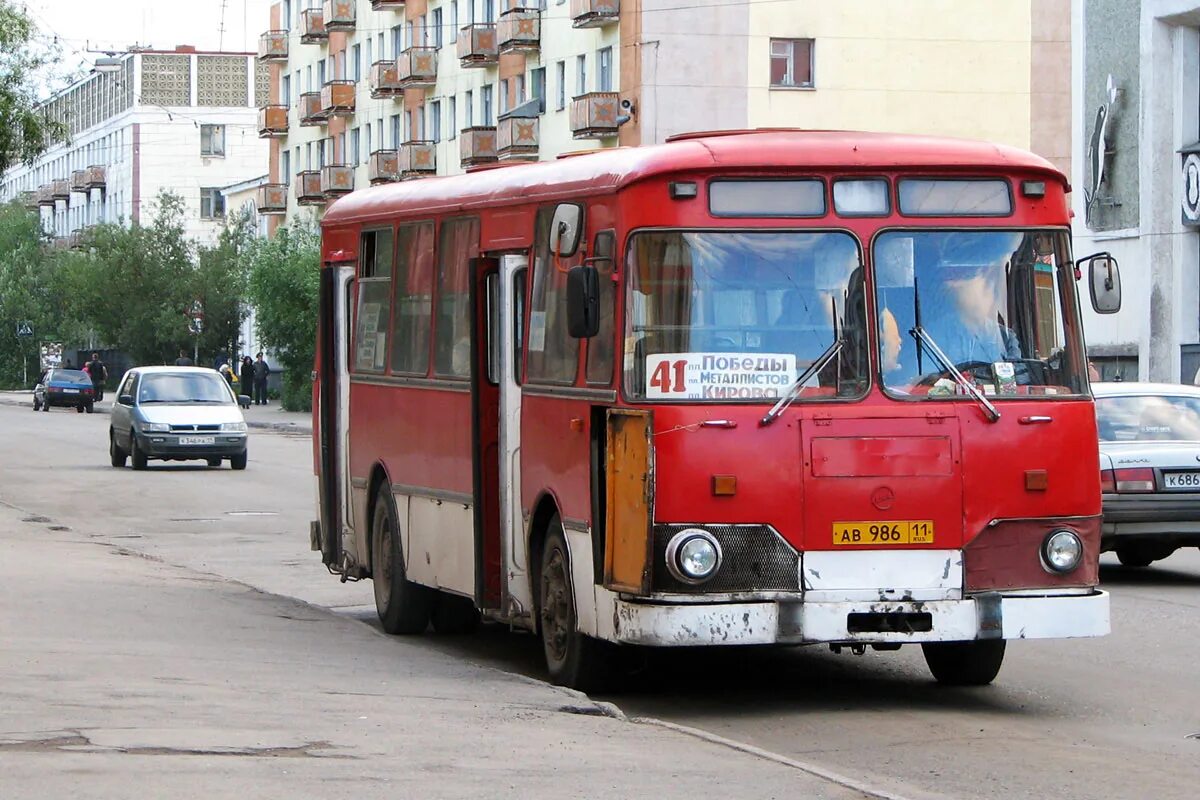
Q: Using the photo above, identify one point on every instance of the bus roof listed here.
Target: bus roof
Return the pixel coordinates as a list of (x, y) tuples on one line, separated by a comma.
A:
[(611, 168)]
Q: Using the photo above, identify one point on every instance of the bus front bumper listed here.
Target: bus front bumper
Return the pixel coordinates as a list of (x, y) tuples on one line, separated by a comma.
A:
[(989, 616)]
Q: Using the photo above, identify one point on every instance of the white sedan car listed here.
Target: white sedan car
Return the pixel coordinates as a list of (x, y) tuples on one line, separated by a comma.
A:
[(1149, 468)]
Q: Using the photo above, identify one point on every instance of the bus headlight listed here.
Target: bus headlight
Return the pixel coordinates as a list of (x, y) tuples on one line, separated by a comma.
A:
[(693, 555), (1062, 551)]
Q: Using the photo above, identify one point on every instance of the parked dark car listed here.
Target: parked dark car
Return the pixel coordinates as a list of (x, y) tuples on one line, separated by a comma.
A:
[(64, 387)]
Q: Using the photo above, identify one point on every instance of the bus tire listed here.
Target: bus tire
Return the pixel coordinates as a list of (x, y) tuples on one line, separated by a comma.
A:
[(454, 614), (964, 663), (403, 606), (573, 659)]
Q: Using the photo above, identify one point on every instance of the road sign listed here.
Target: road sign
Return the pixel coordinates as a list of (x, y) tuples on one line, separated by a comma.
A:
[(196, 325), (24, 329)]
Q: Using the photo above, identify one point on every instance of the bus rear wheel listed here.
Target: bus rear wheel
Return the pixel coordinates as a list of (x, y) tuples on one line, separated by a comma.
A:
[(403, 606), (573, 659), (964, 663)]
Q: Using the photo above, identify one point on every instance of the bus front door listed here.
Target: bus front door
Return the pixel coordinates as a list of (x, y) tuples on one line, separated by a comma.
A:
[(335, 535)]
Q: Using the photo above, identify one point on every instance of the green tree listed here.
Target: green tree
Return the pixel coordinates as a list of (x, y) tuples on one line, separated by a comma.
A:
[(25, 132), (284, 281), (28, 293), (220, 284)]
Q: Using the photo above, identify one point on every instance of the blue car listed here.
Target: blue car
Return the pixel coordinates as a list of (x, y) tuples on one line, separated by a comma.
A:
[(64, 387)]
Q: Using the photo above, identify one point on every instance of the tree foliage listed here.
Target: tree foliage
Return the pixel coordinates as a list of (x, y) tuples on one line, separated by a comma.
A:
[(284, 281), (27, 292), (25, 131)]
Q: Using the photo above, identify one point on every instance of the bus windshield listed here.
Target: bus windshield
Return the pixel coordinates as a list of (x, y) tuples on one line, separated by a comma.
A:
[(997, 305), (739, 315)]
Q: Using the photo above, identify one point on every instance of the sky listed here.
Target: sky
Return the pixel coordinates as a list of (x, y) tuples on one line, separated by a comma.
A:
[(80, 25)]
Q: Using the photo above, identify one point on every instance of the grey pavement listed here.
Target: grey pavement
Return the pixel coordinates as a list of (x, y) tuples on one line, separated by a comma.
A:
[(125, 676), (270, 416)]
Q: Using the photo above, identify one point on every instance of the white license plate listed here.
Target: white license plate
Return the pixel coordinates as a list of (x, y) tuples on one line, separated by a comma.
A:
[(1181, 480), (197, 439), (70, 391)]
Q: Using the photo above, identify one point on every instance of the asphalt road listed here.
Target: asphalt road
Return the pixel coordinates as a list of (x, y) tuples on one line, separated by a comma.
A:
[(1105, 718)]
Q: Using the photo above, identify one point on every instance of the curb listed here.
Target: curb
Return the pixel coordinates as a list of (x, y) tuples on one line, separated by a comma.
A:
[(286, 427)]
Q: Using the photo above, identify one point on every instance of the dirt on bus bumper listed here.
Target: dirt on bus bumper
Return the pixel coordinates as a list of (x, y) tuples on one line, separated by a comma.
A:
[(988, 616)]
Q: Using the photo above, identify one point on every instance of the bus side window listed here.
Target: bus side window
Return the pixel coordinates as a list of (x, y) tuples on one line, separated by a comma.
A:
[(412, 305), (520, 282), (374, 301), (553, 355), (600, 347), (458, 244)]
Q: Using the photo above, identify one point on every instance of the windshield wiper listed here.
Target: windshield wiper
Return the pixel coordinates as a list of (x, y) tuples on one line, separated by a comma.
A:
[(923, 337), (794, 390)]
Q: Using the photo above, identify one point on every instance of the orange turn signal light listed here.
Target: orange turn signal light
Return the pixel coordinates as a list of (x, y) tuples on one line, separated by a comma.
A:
[(724, 485), (1037, 480)]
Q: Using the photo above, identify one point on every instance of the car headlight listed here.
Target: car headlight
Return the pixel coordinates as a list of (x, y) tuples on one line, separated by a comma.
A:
[(1062, 551), (233, 426), (693, 555), (155, 427)]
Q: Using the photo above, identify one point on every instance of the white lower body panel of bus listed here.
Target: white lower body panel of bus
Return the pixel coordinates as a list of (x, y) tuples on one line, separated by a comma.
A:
[(989, 616)]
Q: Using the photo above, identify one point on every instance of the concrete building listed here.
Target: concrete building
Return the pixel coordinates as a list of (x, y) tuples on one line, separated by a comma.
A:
[(1136, 126), (182, 120), (365, 91)]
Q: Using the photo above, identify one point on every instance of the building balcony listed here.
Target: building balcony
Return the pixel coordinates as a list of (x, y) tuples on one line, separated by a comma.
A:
[(273, 46), (477, 46), (339, 15), (383, 80), (417, 67), (44, 195), (61, 189), (271, 198), (383, 167), (594, 13), (308, 188), (77, 240), (417, 159), (310, 109), (79, 181), (337, 99), (519, 31), (517, 139), (336, 180), (272, 121), (312, 26), (477, 146), (594, 115), (381, 5), (97, 176)]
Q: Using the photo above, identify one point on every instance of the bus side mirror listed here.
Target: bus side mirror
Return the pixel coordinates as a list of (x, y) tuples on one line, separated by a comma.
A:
[(566, 230), (583, 302), (1104, 279)]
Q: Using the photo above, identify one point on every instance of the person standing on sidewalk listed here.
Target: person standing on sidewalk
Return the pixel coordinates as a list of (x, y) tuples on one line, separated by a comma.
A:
[(247, 376), (183, 360), (99, 375), (261, 371)]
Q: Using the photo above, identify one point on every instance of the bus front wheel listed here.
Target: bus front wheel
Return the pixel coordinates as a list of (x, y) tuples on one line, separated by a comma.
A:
[(964, 663), (403, 606), (573, 659)]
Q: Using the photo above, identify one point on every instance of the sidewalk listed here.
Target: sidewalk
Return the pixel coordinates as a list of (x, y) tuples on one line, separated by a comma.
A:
[(270, 417), (125, 676)]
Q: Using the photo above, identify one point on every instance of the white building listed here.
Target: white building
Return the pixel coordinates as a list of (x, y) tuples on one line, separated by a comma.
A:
[(182, 121)]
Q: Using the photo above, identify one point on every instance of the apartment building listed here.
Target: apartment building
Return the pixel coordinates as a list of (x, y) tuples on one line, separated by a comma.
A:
[(180, 120), (370, 91)]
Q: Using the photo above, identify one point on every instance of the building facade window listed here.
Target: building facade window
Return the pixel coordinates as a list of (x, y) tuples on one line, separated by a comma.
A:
[(436, 17), (792, 63), (560, 77), (285, 94), (355, 135), (469, 109), (396, 140), (485, 104), (604, 70), (537, 81), (357, 58), (580, 75), (212, 203), (489, 11), (369, 140), (212, 140), (453, 21), (285, 166), (452, 116), (504, 106), (435, 120)]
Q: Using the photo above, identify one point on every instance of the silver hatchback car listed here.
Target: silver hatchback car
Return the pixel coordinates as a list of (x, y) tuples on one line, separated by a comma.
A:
[(177, 414)]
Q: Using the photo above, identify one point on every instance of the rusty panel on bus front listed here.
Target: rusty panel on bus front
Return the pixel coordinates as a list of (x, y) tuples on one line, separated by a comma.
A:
[(882, 483), (627, 549)]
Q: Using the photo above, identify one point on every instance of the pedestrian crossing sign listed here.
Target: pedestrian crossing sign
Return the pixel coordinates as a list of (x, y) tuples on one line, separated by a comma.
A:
[(24, 329)]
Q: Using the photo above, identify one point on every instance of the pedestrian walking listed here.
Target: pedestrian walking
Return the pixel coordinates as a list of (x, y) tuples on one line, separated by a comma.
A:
[(261, 371), (98, 372), (247, 375), (226, 372), (183, 360)]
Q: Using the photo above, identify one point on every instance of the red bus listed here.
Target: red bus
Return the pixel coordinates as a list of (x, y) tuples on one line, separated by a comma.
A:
[(739, 388)]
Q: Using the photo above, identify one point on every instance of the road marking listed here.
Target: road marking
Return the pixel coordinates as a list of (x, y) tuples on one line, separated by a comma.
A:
[(812, 769)]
